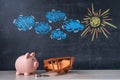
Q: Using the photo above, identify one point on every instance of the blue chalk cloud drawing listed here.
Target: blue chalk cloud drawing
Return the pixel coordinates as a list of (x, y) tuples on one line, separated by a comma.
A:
[(42, 28), (55, 15), (72, 25), (58, 34), (24, 23)]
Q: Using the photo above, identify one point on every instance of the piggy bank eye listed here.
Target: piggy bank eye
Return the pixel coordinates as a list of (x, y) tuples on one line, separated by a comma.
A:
[(32, 59)]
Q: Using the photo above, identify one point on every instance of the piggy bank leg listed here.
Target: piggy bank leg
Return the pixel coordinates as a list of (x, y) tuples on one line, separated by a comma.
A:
[(17, 73), (26, 74)]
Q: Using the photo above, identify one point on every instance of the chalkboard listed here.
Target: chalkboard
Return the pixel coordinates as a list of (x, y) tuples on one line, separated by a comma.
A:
[(102, 53)]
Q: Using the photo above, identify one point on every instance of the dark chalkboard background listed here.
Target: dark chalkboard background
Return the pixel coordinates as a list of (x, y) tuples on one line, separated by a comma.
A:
[(100, 54)]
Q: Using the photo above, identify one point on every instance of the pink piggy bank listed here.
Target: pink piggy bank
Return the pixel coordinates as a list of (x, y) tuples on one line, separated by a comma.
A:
[(26, 64)]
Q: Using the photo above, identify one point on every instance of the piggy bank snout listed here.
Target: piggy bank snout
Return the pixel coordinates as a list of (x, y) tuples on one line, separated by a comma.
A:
[(36, 64)]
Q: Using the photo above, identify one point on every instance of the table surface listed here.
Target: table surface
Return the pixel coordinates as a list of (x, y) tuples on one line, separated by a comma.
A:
[(71, 75)]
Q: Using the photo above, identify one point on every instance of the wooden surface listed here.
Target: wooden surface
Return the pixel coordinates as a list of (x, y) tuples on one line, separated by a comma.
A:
[(72, 75)]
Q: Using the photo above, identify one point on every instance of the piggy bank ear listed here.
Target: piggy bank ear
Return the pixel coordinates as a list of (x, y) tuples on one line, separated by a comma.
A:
[(32, 54), (27, 55)]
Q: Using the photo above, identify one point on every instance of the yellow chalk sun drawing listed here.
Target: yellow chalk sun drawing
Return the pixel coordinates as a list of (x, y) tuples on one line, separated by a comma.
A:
[(95, 23)]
